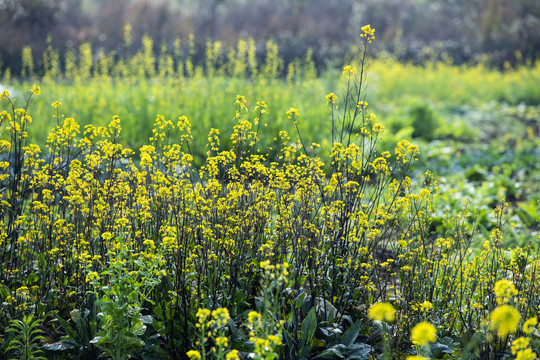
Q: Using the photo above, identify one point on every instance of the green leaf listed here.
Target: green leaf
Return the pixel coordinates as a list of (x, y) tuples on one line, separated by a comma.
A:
[(236, 336), (359, 352), (335, 352), (309, 325), (96, 340), (68, 329), (439, 349), (147, 319), (352, 333), (299, 299), (61, 345), (138, 329)]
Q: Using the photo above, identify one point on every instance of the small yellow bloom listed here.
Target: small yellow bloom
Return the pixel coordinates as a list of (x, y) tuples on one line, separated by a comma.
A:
[(526, 354), (426, 306), (202, 315), (519, 344), (331, 98), (193, 355), (368, 30), (275, 339), (149, 243), (529, 325), (35, 90), (293, 113), (382, 311), (504, 290), (504, 320), (416, 357), (56, 104), (232, 355), (423, 333), (348, 70), (222, 341), (254, 317), (93, 276)]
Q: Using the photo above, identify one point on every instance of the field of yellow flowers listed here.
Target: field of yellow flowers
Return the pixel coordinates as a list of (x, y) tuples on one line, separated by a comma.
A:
[(308, 232)]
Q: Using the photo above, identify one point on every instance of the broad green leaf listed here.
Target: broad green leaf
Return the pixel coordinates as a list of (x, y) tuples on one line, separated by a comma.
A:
[(68, 329), (61, 345), (352, 333), (138, 329), (309, 325), (96, 340), (335, 352)]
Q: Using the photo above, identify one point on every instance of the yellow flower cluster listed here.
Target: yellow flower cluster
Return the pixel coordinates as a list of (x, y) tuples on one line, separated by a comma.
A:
[(423, 333), (368, 33), (382, 312)]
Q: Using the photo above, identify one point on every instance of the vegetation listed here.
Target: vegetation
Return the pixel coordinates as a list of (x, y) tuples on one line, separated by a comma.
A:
[(335, 238)]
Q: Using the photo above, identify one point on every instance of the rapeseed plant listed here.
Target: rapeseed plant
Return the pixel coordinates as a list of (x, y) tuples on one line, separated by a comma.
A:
[(246, 253)]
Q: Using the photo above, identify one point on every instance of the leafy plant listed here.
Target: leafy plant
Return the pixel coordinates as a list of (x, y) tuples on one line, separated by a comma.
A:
[(77, 339), (25, 345), (126, 284)]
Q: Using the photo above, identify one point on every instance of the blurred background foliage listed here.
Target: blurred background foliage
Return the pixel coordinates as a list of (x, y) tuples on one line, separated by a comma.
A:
[(493, 31)]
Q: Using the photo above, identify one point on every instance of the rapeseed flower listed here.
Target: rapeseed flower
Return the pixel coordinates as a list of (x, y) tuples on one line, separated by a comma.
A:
[(519, 344), (254, 318), (35, 90), (331, 98), (504, 290), (423, 333), (504, 320), (193, 355), (293, 113), (349, 70), (382, 311), (526, 354), (529, 325), (232, 355)]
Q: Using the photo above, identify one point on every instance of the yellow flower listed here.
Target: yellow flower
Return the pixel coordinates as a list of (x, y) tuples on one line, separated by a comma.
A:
[(423, 333), (222, 341), (416, 357), (382, 311), (92, 276), (504, 320), (331, 98), (254, 317), (504, 290), (149, 243), (275, 339), (519, 344), (348, 70), (232, 355), (369, 33), (361, 104), (202, 315), (368, 30), (526, 354), (56, 104), (426, 306), (529, 325), (221, 316), (35, 90), (293, 113), (193, 354)]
